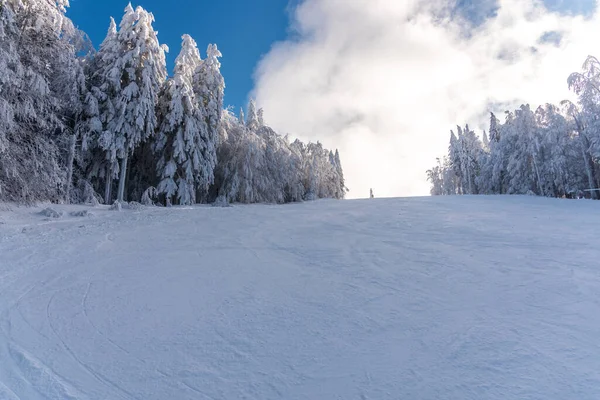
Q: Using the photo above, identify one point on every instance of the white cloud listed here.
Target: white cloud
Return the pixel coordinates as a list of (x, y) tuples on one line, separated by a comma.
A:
[(385, 80)]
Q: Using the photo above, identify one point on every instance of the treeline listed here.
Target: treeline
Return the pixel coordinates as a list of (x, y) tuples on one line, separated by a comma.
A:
[(79, 125), (553, 151)]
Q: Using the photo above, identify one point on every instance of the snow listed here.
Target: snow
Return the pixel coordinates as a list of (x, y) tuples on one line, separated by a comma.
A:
[(420, 298)]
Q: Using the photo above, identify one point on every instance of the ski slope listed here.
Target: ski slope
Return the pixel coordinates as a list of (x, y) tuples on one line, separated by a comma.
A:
[(421, 298)]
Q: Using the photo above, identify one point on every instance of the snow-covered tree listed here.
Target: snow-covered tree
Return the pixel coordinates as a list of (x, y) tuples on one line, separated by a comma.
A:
[(40, 82), (181, 139), (209, 87), (541, 152), (583, 143), (105, 83), (443, 179), (465, 155), (496, 163), (252, 121), (523, 140), (262, 166), (561, 167), (586, 85), (132, 71), (340, 182)]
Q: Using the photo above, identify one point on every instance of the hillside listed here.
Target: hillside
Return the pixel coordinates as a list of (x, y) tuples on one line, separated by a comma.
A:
[(420, 298)]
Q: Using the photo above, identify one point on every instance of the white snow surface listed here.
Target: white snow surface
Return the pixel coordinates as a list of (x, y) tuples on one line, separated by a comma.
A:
[(419, 298)]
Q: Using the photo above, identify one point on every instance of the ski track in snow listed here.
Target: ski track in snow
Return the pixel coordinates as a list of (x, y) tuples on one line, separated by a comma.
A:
[(420, 298)]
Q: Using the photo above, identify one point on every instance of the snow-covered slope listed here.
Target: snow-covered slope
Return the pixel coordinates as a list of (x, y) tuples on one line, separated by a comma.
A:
[(422, 298)]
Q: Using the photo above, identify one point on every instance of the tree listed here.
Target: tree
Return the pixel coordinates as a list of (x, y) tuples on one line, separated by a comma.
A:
[(133, 69), (180, 127), (465, 152), (523, 139), (586, 85), (252, 121), (560, 167), (340, 182), (209, 87), (263, 166), (106, 88), (496, 163), (577, 121), (40, 84)]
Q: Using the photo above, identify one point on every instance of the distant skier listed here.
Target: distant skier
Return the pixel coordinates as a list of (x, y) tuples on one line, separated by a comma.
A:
[(372, 196)]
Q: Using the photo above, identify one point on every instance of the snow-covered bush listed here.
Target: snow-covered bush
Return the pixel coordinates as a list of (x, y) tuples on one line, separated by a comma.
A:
[(116, 206)]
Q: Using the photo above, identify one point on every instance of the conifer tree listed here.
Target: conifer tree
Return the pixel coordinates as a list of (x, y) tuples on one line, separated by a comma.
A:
[(181, 126), (209, 87), (252, 122), (133, 69)]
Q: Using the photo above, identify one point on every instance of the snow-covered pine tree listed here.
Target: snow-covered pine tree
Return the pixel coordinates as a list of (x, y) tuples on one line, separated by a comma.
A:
[(181, 134), (209, 87), (226, 172), (496, 163), (494, 131), (523, 142), (144, 67), (105, 82), (583, 143), (456, 160), (491, 161), (484, 177), (77, 117), (340, 190), (133, 69), (252, 122), (40, 79), (473, 156), (553, 148), (586, 85)]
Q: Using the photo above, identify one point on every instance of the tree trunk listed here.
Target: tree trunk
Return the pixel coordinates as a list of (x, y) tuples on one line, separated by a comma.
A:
[(470, 180), (107, 188), (589, 172), (70, 160), (127, 184), (123, 175), (539, 180)]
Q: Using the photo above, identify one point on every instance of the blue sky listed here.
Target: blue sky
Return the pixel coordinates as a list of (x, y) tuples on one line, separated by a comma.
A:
[(243, 31)]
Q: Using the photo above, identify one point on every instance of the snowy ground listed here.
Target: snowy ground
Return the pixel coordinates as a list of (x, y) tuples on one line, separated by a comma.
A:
[(423, 298)]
